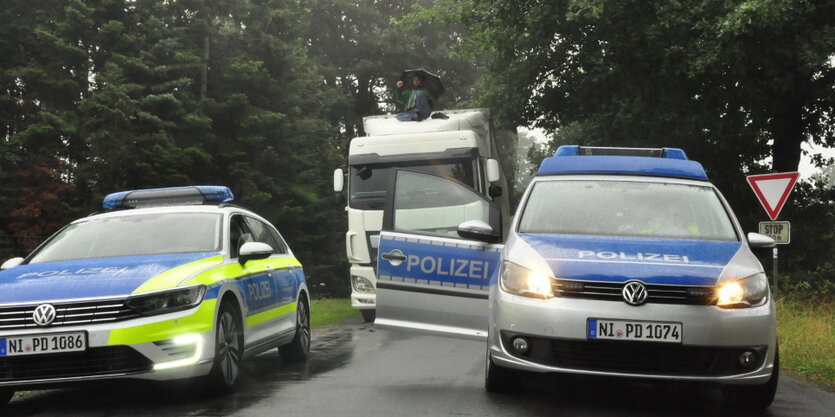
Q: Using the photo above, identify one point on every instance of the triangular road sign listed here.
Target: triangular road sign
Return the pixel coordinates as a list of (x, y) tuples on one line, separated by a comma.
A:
[(773, 190)]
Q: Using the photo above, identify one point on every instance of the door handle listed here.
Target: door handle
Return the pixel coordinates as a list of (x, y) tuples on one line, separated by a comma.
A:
[(394, 255)]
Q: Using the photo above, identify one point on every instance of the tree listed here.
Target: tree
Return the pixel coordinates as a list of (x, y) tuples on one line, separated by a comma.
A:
[(729, 81)]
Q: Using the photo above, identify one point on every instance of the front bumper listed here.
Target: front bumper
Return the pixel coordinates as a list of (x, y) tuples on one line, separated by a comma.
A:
[(713, 338), (169, 346), (361, 300)]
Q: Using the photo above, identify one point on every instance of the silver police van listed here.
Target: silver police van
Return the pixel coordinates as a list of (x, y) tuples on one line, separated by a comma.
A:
[(619, 262)]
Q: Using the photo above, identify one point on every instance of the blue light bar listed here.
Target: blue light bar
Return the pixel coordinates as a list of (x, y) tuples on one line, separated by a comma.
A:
[(171, 196), (664, 162), (575, 150)]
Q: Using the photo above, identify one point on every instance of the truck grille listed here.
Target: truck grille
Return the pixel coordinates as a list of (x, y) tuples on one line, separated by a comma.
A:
[(662, 294), (95, 361), (20, 317)]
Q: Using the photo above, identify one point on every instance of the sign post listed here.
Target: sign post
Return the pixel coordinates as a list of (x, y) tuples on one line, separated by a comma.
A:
[(773, 190)]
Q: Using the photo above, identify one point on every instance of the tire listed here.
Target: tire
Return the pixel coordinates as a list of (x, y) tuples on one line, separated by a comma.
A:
[(754, 396), (368, 316), (225, 375), (496, 378), (5, 396), (298, 349)]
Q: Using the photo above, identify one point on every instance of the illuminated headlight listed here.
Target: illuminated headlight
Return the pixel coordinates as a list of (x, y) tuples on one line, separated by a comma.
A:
[(362, 284), (742, 293), (525, 282), (168, 301)]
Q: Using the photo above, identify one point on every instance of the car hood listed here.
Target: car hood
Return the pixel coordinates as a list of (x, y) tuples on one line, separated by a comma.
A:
[(85, 278), (615, 259)]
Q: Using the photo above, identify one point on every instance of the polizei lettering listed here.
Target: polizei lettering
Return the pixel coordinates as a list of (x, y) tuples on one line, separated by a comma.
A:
[(80, 271), (637, 256), (464, 268)]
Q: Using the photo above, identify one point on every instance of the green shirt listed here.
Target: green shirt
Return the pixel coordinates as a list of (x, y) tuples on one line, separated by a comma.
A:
[(406, 97)]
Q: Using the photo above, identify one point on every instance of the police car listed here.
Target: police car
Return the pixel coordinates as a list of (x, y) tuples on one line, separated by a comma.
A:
[(618, 262), (169, 283)]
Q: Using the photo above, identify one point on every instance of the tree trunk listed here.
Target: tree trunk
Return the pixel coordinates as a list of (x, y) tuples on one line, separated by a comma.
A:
[(204, 71), (787, 128)]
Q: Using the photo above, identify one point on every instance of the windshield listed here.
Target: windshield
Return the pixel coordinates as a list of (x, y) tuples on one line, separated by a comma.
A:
[(626, 208), (368, 182), (144, 234)]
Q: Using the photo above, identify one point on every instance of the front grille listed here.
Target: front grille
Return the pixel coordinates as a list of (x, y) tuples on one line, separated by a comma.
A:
[(94, 361), (68, 314), (662, 294), (637, 357)]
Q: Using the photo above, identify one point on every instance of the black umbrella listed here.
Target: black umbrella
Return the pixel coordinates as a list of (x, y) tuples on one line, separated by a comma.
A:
[(428, 80)]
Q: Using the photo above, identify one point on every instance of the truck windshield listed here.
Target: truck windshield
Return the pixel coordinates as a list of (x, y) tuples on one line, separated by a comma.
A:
[(626, 208), (368, 182)]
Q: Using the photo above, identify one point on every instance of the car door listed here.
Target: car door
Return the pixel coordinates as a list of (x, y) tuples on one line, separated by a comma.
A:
[(256, 284), (282, 266), (430, 279)]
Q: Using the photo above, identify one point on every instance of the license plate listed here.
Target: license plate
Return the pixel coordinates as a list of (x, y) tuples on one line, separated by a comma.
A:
[(646, 331), (34, 345)]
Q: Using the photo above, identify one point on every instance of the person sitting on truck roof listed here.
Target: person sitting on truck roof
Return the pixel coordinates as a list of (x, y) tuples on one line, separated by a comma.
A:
[(417, 101)]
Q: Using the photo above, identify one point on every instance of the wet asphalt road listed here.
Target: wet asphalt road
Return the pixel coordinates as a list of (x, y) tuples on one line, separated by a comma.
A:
[(356, 370)]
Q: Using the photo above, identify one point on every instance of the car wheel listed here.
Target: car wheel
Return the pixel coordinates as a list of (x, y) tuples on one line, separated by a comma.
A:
[(299, 347), (368, 316), (754, 396), (226, 370), (5, 396), (496, 378)]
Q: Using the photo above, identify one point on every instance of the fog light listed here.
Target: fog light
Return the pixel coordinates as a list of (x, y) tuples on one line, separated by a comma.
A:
[(520, 344), (747, 359)]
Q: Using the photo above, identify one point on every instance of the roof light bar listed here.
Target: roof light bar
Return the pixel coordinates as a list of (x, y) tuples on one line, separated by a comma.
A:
[(575, 150), (171, 196), (664, 162)]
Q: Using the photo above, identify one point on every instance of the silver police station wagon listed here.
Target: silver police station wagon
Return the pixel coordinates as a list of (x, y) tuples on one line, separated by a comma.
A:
[(618, 262)]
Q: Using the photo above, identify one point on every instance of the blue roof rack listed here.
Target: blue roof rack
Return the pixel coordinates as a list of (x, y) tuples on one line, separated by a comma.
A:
[(664, 162), (170, 196)]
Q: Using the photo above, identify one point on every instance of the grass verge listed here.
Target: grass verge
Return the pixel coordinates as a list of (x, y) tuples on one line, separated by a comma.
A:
[(806, 330), (330, 310)]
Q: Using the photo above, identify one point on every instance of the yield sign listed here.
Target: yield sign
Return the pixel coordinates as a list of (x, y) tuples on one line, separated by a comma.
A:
[(773, 190)]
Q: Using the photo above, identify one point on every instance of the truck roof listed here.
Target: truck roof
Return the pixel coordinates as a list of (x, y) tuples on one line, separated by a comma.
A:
[(663, 162), (465, 119)]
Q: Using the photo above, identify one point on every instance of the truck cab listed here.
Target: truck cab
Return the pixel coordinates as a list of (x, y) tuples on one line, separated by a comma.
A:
[(460, 148)]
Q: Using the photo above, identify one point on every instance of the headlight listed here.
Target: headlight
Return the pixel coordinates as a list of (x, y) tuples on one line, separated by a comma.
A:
[(362, 284), (168, 301), (742, 293), (525, 282)]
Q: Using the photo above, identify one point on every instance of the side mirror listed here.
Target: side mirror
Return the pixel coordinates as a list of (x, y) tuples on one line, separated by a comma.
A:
[(11, 263), (493, 172), (254, 250), (495, 191), (338, 180), (757, 240), (477, 230)]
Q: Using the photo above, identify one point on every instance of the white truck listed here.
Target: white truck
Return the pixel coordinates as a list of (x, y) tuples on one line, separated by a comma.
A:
[(461, 147)]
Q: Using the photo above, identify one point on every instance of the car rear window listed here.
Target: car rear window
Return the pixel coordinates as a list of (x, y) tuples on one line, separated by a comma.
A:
[(626, 208), (141, 234)]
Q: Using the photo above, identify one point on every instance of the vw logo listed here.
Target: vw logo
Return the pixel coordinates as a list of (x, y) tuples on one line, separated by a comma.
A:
[(44, 315), (635, 293)]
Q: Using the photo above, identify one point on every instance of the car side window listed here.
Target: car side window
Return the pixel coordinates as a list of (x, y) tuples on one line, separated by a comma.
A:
[(239, 233), (262, 232)]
